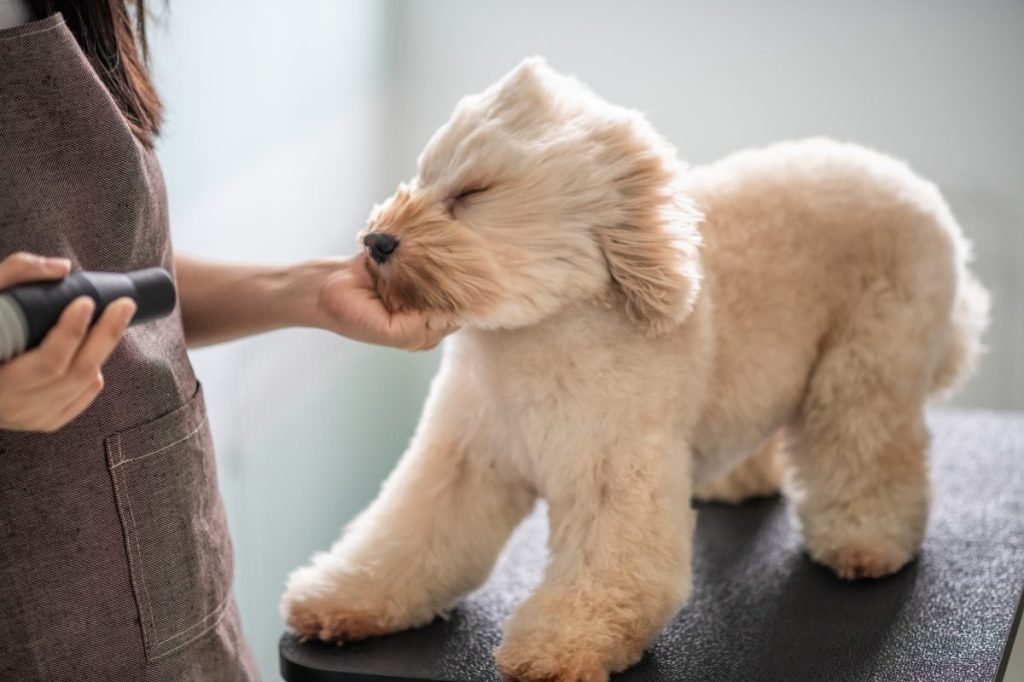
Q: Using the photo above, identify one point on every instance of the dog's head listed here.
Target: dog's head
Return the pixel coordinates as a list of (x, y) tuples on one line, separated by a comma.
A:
[(534, 195)]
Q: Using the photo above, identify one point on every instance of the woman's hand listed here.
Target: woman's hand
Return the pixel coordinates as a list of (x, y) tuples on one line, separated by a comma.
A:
[(50, 385), (348, 304)]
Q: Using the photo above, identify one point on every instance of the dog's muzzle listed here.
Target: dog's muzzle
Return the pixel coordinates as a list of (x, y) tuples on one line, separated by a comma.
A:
[(380, 245)]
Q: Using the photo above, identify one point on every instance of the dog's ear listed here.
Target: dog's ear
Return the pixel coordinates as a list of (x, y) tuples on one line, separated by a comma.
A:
[(531, 70), (652, 250), (530, 87)]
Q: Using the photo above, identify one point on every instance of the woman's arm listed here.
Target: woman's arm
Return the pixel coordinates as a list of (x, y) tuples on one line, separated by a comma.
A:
[(221, 301)]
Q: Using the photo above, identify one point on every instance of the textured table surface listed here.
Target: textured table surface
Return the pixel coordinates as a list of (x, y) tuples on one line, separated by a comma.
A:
[(761, 610)]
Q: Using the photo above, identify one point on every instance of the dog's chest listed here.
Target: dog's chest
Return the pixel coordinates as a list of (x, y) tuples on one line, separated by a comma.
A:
[(535, 392), (536, 396), (553, 404)]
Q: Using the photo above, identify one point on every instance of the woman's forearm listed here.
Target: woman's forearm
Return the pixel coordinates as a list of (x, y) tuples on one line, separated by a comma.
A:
[(223, 301)]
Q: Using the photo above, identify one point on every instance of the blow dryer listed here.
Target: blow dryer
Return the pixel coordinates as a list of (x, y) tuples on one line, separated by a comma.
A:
[(29, 311)]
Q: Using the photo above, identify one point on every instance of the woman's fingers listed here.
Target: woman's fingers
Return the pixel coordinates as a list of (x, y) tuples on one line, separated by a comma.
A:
[(49, 407), (51, 359), (68, 396), (434, 331), (27, 267), (102, 339), (413, 330), (53, 384), (76, 405), (71, 354)]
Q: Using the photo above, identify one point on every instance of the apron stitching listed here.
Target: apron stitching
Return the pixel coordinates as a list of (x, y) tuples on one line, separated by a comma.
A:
[(216, 610), (159, 450), (197, 636), (31, 33), (117, 457), (138, 551)]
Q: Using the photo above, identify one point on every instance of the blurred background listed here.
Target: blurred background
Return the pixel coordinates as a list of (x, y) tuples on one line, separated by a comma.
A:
[(286, 122)]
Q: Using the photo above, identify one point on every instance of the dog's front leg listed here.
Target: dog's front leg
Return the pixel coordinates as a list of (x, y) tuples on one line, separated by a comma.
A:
[(621, 545), (431, 535)]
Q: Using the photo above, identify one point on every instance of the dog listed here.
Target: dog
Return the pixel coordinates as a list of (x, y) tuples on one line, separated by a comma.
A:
[(635, 333)]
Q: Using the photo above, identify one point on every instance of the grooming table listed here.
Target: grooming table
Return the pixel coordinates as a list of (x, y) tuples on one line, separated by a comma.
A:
[(761, 610)]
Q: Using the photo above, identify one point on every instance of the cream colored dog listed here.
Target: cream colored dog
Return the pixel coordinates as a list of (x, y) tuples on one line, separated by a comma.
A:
[(632, 332)]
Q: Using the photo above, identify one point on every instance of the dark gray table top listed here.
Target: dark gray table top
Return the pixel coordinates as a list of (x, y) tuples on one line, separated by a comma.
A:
[(761, 610)]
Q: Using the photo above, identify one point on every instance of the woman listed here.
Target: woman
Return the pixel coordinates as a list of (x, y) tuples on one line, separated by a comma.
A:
[(115, 560)]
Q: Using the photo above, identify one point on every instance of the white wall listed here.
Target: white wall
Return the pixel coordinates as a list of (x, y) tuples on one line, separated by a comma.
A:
[(936, 82)]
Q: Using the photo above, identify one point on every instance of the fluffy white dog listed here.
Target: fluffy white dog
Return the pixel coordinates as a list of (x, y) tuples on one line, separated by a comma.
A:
[(635, 333)]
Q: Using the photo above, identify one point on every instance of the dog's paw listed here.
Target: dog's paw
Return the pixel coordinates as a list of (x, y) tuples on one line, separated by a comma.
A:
[(861, 560), (530, 662), (864, 541), (330, 620), (333, 625), (558, 652), (316, 606)]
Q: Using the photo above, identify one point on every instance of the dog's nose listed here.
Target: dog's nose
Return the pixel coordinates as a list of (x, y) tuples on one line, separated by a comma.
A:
[(381, 245)]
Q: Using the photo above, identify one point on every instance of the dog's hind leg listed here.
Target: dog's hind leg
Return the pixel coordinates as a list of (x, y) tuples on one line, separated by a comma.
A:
[(431, 536), (760, 475), (859, 444)]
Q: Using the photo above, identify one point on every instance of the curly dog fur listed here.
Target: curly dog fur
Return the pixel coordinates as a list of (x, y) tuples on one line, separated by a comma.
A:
[(634, 331)]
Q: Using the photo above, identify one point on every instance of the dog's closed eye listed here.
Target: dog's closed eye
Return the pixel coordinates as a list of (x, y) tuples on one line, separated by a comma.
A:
[(469, 192), (462, 195)]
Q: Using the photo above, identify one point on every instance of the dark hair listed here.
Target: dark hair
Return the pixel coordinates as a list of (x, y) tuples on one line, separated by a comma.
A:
[(112, 34)]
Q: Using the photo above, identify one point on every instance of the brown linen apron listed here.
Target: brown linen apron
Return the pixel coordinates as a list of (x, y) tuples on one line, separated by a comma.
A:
[(115, 561)]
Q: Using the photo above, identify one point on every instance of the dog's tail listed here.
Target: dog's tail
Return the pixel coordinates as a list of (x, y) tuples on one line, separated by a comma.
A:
[(969, 318)]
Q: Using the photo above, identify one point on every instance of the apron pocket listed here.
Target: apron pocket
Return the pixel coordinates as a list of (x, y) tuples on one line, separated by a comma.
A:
[(175, 530)]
